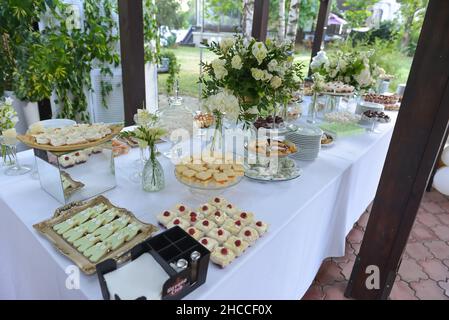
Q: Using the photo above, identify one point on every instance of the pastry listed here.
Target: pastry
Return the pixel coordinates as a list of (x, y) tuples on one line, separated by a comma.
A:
[(94, 224), (249, 234), (197, 167), (237, 245), (84, 243), (97, 251), (62, 227), (130, 231), (75, 139), (206, 209), (181, 209), (218, 217), (178, 222), (66, 161), (116, 240), (222, 256), (246, 217), (204, 175), (110, 215), (121, 222), (193, 218), (233, 226), (209, 243), (219, 234), (42, 139), (57, 141), (219, 202), (205, 225), (194, 233), (189, 173), (180, 169), (269, 122), (75, 233), (105, 231), (79, 156), (260, 226), (230, 209), (165, 217), (221, 178)]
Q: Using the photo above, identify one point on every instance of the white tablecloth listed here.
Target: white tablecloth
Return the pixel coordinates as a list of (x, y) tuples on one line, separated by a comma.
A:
[(309, 218)]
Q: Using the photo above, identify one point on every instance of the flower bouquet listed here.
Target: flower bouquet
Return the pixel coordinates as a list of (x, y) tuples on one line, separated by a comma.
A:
[(257, 77), (8, 120)]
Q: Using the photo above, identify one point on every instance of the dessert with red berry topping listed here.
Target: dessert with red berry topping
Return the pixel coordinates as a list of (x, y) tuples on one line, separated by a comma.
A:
[(219, 234), (206, 209), (249, 234), (236, 244), (218, 202), (195, 233), (233, 226), (260, 226), (209, 243), (218, 217), (178, 222), (205, 225), (165, 217), (246, 217), (222, 256), (182, 209), (230, 209)]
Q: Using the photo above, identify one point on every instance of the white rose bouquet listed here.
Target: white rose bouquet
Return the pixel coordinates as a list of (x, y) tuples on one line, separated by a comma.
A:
[(8, 116), (355, 68), (248, 75)]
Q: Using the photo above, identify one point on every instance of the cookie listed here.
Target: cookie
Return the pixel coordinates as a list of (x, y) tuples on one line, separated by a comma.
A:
[(209, 243), (219, 234), (97, 251), (249, 234), (205, 225), (237, 245), (64, 226), (105, 231), (195, 233), (260, 226), (222, 256), (233, 226), (84, 243)]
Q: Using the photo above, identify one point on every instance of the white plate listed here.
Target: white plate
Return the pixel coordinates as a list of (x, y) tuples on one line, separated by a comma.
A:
[(56, 123)]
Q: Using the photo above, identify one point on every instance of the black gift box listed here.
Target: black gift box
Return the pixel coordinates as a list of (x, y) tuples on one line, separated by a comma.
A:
[(167, 247)]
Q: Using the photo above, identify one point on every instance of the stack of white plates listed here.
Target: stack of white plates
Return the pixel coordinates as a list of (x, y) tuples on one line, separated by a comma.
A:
[(308, 140)]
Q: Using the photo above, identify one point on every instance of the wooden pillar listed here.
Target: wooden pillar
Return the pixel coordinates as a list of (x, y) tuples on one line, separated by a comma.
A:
[(321, 27), (421, 125), (132, 56), (260, 19)]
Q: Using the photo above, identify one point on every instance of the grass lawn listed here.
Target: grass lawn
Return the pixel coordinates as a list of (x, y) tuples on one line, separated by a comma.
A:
[(189, 58)]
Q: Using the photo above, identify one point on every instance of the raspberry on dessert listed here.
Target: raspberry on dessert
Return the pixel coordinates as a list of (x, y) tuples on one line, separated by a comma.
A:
[(193, 214), (205, 223), (192, 219), (224, 251), (238, 243), (191, 231), (77, 154), (204, 241), (217, 213), (176, 221), (166, 214), (66, 158), (220, 232), (238, 223), (182, 208), (217, 200), (243, 215), (204, 208), (247, 233), (259, 223), (229, 206)]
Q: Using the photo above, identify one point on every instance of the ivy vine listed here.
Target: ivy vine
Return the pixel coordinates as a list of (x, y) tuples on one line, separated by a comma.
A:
[(173, 70)]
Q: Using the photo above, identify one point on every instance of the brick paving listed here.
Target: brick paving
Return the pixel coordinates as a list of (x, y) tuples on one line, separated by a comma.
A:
[(424, 272)]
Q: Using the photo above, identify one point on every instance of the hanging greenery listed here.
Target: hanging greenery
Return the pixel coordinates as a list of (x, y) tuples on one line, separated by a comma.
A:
[(173, 70), (151, 33)]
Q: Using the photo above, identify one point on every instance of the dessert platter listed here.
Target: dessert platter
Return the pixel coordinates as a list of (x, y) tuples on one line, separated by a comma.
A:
[(204, 120), (210, 172), (69, 138), (220, 226), (69, 185), (341, 117), (390, 102), (269, 122), (374, 118), (267, 147), (92, 231), (266, 170), (71, 159), (338, 88)]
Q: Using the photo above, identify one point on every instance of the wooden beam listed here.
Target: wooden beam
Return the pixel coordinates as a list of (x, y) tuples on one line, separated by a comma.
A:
[(321, 27), (421, 125), (132, 56), (260, 19)]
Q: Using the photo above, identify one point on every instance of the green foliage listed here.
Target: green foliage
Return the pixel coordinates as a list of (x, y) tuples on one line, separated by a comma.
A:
[(388, 31), (412, 12), (168, 14), (214, 9), (356, 11), (173, 70), (151, 32)]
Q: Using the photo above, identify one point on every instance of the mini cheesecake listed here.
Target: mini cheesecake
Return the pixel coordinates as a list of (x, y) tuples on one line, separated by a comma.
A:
[(219, 234), (218, 202), (192, 217), (209, 243), (233, 226), (205, 225), (181, 209), (218, 217), (178, 222), (222, 256), (206, 209), (249, 234), (246, 217), (230, 209), (237, 245), (165, 217), (260, 226), (194, 233)]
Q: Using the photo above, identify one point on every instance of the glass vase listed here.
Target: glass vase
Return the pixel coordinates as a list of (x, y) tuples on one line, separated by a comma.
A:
[(217, 141), (8, 158), (9, 155), (313, 109), (153, 174)]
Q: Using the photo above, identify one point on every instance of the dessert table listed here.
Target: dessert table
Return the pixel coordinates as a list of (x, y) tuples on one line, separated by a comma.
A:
[(309, 219)]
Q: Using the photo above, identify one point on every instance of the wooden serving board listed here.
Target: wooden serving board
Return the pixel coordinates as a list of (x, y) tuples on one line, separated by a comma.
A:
[(30, 141), (67, 249)]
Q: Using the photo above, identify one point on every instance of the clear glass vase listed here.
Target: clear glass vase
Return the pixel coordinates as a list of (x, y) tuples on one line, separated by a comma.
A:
[(7, 156), (313, 109), (153, 175), (217, 142), (10, 160)]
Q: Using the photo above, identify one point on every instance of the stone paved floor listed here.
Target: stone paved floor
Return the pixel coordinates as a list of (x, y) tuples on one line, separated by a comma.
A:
[(424, 272)]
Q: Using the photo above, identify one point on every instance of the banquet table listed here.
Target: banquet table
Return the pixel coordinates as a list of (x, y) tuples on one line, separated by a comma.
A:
[(309, 218)]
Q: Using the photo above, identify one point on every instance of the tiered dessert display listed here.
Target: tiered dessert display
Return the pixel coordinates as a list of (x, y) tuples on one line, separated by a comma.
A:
[(93, 231), (390, 102), (218, 225), (375, 118)]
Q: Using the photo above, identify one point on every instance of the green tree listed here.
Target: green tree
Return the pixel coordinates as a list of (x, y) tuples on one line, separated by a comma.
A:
[(168, 14), (412, 12), (217, 8), (357, 12)]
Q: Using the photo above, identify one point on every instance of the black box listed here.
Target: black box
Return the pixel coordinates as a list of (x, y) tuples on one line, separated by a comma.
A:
[(166, 247)]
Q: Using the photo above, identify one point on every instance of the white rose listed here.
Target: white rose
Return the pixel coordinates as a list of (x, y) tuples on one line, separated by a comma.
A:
[(257, 73), (259, 51), (272, 65), (10, 136), (236, 62), (252, 110), (364, 77), (275, 82), (267, 76), (225, 44), (8, 101), (219, 68), (319, 60)]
